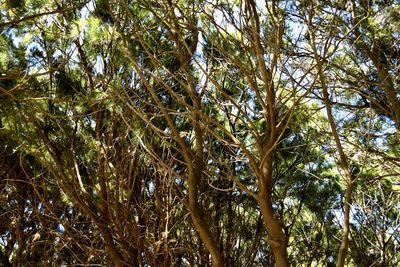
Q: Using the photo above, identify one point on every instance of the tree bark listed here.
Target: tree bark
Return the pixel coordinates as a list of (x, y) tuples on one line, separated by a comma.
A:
[(277, 239), (195, 175)]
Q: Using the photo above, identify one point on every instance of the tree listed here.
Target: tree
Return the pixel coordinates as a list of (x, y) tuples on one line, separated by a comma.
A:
[(198, 133)]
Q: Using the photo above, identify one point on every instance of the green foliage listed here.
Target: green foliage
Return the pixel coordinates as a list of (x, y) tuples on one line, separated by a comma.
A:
[(104, 114)]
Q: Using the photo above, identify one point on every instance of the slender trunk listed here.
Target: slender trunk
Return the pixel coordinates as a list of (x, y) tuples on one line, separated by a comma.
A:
[(346, 230), (277, 239), (201, 227), (194, 180), (342, 157)]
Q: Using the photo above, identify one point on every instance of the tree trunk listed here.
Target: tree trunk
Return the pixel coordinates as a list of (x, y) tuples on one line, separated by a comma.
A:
[(201, 227), (195, 175), (346, 228), (277, 239)]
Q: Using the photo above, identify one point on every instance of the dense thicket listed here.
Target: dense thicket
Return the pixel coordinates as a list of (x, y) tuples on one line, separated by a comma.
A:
[(199, 133)]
